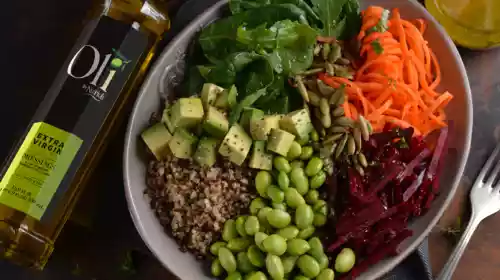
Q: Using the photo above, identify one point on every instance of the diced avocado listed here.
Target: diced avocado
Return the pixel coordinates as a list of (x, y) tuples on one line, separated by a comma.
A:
[(209, 93), (166, 119), (297, 122), (260, 128), (215, 123), (182, 144), (236, 144), (206, 151), (260, 159), (248, 115), (186, 112), (157, 138), (280, 141), (227, 99)]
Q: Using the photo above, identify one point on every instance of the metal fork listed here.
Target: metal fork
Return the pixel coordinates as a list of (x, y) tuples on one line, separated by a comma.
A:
[(485, 200)]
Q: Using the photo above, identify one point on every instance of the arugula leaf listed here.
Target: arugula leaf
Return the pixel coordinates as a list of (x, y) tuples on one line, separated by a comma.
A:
[(329, 12), (218, 40), (224, 72), (238, 6), (353, 20)]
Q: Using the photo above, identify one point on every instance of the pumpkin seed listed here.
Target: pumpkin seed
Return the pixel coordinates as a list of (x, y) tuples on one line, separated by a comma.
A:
[(337, 129), (313, 98), (311, 71), (317, 49), (338, 112), (311, 85), (363, 125), (325, 51), (341, 146), (342, 98), (302, 88), (351, 146), (343, 61), (326, 120), (356, 133), (343, 121), (336, 96), (362, 160), (329, 69), (332, 138), (359, 169), (324, 106), (325, 89), (335, 53)]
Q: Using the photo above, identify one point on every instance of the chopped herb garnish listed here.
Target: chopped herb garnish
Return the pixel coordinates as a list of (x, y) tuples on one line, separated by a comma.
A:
[(377, 47)]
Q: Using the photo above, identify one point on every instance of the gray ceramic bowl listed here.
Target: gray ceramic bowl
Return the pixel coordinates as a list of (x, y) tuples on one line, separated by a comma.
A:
[(167, 71)]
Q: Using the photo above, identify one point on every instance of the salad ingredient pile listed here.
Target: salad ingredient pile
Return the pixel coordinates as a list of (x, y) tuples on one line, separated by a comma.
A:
[(309, 136)]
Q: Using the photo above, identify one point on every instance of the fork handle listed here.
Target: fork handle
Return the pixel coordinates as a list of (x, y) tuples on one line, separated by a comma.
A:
[(449, 268)]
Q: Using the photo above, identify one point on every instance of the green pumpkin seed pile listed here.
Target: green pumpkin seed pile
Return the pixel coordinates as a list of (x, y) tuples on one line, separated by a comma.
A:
[(341, 137)]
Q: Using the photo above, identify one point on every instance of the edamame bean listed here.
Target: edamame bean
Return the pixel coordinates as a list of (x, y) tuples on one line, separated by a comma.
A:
[(319, 220), (214, 249), (259, 238), (294, 151), (318, 180), (238, 244), (307, 152), (279, 206), (229, 231), (227, 260), (240, 225), (303, 140), (299, 180), (216, 268), (282, 164), (297, 247), (312, 197), (345, 260), (244, 264), (262, 215), (322, 261), (289, 232), (320, 207), (257, 204), (326, 274), (314, 166), (314, 136), (255, 256), (306, 233), (252, 225), (293, 198), (234, 276), (262, 181), (258, 275), (308, 266), (275, 194), (289, 263), (274, 244), (297, 163), (283, 181), (274, 267), (301, 277), (316, 247), (304, 216), (278, 218)]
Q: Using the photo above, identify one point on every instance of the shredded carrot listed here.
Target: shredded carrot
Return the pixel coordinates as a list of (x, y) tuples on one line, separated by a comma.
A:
[(397, 80)]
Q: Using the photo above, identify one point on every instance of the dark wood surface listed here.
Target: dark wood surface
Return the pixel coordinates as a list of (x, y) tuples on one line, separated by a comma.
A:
[(36, 38)]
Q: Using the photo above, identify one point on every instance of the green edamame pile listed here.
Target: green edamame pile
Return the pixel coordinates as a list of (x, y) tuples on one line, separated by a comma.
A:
[(276, 241)]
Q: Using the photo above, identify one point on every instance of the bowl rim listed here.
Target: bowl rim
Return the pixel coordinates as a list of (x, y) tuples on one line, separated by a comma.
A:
[(194, 26)]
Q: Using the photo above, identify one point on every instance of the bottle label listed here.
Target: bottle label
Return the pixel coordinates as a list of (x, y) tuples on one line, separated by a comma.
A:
[(38, 168)]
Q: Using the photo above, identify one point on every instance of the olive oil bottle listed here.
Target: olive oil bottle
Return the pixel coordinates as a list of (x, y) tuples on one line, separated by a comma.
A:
[(44, 175)]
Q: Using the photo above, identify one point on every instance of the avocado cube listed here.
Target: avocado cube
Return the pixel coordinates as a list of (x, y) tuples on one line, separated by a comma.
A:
[(186, 112), (260, 128), (157, 138), (248, 115), (236, 145), (166, 118), (260, 159), (216, 124), (209, 94), (205, 154), (297, 122), (280, 141), (227, 98), (182, 143)]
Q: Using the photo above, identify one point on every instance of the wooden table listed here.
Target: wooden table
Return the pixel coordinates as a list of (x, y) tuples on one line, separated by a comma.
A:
[(98, 249)]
